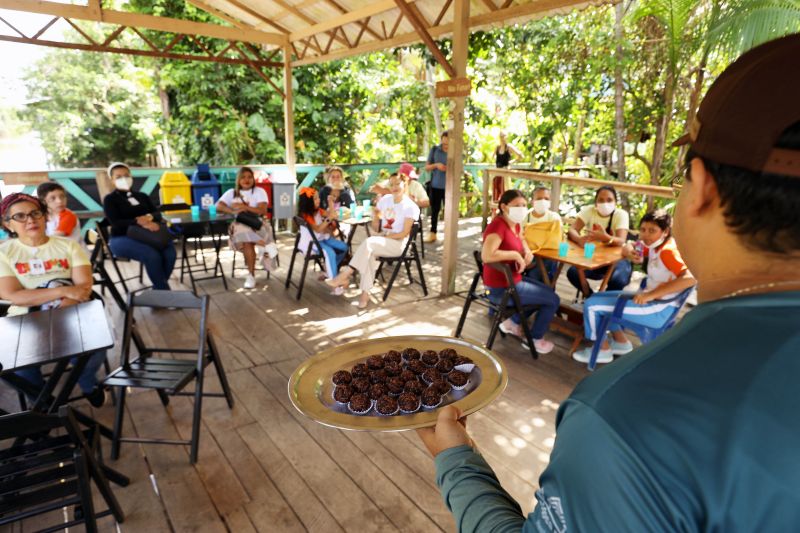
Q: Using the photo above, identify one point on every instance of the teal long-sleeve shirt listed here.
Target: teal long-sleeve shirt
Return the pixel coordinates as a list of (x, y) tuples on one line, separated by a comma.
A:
[(697, 431)]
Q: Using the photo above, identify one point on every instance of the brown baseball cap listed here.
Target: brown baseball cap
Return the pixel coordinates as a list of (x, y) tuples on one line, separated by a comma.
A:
[(748, 108)]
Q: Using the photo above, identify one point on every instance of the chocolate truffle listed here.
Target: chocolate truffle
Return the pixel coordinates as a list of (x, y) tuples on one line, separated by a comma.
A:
[(395, 385), (360, 384), (457, 378), (378, 390), (417, 366), (431, 397), (360, 403), (393, 369), (408, 402), (409, 354), (342, 393), (407, 375), (342, 377), (386, 405), (375, 362), (414, 386), (429, 357), (431, 375), (444, 366), (463, 360), (360, 371), (448, 353), (442, 386), (378, 376), (392, 356)]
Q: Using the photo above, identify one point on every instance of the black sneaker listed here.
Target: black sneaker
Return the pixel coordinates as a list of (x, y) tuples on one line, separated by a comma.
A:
[(97, 397)]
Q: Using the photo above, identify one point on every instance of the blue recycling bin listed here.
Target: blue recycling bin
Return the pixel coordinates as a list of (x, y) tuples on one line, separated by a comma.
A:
[(206, 189)]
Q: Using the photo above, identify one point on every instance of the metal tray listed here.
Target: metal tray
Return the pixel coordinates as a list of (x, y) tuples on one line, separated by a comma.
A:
[(310, 387)]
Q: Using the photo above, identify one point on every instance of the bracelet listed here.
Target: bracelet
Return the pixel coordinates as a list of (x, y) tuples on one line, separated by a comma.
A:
[(610, 241)]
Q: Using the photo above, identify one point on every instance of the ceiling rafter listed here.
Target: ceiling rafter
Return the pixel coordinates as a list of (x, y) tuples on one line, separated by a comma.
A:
[(396, 25), (442, 12), (358, 21), (422, 31)]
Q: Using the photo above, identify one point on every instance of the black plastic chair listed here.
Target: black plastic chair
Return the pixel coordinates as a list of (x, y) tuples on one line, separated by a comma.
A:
[(421, 236), (409, 256), (53, 472), (509, 305), (100, 274), (313, 253), (103, 238), (167, 376)]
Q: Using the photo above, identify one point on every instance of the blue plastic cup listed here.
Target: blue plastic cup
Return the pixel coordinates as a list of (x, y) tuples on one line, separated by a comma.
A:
[(341, 213), (359, 212), (212, 211), (367, 204), (563, 249), (195, 211), (588, 250)]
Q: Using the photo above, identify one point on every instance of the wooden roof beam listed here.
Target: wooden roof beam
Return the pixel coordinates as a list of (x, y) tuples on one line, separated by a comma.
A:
[(296, 12), (141, 21), (426, 37), (362, 23)]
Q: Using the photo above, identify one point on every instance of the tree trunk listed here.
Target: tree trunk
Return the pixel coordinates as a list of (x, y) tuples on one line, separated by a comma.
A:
[(579, 138), (662, 130), (619, 92), (437, 118)]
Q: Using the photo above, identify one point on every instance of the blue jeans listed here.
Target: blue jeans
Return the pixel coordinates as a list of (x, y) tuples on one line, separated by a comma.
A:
[(619, 279), (531, 293), (601, 304), (87, 380), (157, 263), (535, 273), (334, 251)]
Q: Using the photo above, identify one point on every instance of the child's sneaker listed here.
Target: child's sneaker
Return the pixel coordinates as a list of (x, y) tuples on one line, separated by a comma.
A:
[(620, 348), (583, 356)]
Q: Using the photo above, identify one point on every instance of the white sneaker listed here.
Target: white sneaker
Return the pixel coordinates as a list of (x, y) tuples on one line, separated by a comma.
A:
[(250, 282), (620, 348), (543, 346), (509, 327), (583, 356)]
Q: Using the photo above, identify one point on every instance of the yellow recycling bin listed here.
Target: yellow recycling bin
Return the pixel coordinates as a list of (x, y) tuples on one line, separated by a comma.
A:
[(175, 188)]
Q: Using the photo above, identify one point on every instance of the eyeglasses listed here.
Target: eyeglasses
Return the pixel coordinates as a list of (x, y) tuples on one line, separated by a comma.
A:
[(36, 214)]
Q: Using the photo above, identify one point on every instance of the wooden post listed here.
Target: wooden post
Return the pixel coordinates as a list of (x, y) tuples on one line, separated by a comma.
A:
[(455, 152), (555, 193), (288, 109)]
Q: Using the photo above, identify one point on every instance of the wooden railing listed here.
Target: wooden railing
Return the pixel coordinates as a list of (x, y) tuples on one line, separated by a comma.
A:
[(557, 181)]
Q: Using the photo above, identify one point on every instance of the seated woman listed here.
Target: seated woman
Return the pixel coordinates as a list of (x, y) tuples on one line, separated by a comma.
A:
[(667, 276), (541, 214), (393, 217), (602, 223), (41, 272), (255, 244), (335, 190), (503, 243), (125, 209), (321, 222)]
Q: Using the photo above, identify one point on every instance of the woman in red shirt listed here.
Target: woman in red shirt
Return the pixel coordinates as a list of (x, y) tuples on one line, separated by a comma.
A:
[(503, 243)]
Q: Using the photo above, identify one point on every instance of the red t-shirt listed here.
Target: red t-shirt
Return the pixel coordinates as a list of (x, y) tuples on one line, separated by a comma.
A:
[(510, 240)]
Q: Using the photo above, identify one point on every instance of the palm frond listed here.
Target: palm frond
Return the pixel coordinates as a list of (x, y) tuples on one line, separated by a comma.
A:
[(744, 24)]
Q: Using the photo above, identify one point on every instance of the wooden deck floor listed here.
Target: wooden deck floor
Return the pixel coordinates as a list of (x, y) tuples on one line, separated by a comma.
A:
[(264, 467)]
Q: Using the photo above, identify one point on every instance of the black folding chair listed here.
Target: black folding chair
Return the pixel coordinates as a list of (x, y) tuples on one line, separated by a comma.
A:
[(100, 274), (421, 236), (510, 304), (53, 472), (313, 253), (103, 238), (409, 255), (166, 375)]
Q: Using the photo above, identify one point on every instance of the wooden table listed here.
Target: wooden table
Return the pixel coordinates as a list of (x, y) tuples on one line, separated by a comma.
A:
[(568, 320), (54, 336), (200, 226), (604, 256), (354, 223)]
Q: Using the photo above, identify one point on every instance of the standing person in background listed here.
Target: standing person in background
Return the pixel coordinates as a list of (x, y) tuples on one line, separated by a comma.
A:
[(503, 153), (437, 165), (61, 222)]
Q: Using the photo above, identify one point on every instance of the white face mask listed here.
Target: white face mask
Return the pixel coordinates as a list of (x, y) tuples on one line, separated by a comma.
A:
[(540, 207), (656, 244), (123, 184), (606, 208), (517, 214)]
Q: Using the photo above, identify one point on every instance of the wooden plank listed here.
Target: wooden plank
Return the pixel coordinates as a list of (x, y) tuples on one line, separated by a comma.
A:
[(352, 508), (138, 20), (398, 492), (288, 111)]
